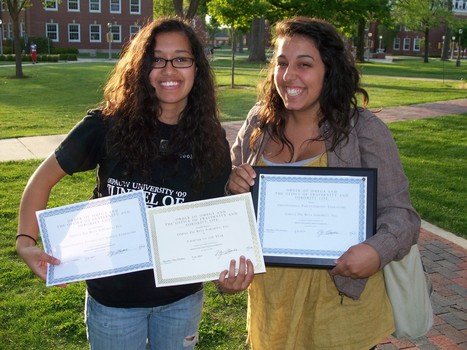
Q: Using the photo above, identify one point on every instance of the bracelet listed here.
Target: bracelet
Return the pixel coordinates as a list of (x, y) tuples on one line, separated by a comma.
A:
[(25, 235), (227, 190)]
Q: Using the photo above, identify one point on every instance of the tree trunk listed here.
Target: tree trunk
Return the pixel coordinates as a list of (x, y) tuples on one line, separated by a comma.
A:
[(360, 54), (427, 44), (240, 42), (256, 44), (14, 8), (178, 6), (232, 85), (192, 9)]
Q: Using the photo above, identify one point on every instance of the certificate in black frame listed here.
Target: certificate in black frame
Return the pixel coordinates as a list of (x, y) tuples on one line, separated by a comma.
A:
[(367, 175)]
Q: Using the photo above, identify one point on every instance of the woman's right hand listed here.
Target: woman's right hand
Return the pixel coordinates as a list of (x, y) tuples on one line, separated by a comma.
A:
[(241, 179), (36, 259)]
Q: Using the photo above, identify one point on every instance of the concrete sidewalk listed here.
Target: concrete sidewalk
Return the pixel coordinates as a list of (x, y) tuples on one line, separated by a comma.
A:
[(39, 147), (444, 254)]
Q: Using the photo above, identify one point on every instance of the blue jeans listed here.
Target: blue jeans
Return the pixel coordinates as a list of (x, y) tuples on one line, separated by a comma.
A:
[(167, 327)]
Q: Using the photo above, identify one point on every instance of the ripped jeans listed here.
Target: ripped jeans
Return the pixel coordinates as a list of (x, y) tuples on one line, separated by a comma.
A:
[(167, 327)]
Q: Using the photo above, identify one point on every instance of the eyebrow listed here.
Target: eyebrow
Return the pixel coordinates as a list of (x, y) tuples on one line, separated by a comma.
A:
[(176, 51), (299, 56)]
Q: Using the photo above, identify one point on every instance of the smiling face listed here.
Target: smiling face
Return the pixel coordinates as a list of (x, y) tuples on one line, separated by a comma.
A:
[(299, 74), (172, 85)]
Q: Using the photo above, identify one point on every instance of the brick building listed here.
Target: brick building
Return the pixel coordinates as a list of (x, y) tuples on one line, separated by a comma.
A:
[(408, 43), (82, 24)]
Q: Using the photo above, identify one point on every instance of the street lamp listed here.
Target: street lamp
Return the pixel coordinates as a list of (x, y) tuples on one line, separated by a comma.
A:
[(453, 40), (380, 43), (442, 47), (109, 39), (369, 44), (458, 62), (1, 37)]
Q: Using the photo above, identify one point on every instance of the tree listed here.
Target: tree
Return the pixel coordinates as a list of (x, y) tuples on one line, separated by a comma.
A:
[(180, 8), (344, 14), (257, 45), (357, 14), (422, 15), (237, 15), (14, 9)]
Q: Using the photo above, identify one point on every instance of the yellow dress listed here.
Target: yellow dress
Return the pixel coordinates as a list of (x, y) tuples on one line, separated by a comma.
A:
[(301, 309)]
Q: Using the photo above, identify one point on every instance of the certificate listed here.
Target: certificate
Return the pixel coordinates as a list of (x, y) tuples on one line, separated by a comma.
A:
[(311, 216), (194, 242), (97, 238)]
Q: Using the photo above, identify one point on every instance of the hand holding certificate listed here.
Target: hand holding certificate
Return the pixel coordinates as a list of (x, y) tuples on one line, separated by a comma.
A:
[(194, 242), (184, 243), (311, 216), (96, 238)]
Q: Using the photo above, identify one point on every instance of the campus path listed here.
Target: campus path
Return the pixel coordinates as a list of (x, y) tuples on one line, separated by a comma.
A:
[(444, 254)]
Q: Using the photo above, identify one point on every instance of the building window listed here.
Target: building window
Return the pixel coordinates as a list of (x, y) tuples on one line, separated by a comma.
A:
[(10, 30), (73, 5), (51, 5), (94, 5), (51, 31), (116, 33), (416, 44), (73, 33), (397, 44), (134, 29), (115, 6), (3, 6), (135, 7), (95, 33), (406, 44)]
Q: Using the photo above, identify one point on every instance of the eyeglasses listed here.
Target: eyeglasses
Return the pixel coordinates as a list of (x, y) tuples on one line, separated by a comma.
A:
[(177, 62)]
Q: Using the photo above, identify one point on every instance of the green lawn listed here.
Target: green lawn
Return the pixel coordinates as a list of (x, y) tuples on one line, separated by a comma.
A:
[(55, 96)]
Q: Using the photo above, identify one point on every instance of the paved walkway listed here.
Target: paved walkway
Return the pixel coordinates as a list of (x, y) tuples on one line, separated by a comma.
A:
[(444, 254)]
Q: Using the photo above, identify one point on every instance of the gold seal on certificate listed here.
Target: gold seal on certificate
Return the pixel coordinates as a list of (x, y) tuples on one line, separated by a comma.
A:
[(311, 216)]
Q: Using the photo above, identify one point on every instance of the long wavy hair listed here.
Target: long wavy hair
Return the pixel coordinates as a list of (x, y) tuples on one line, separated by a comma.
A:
[(131, 104), (338, 98)]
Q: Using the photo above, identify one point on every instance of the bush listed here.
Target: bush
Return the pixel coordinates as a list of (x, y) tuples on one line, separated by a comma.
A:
[(65, 51), (68, 57)]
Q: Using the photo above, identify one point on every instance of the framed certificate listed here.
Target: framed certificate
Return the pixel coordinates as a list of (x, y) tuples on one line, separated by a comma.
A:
[(310, 216)]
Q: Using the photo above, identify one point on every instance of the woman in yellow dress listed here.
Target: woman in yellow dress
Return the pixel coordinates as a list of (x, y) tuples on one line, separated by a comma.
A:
[(308, 116)]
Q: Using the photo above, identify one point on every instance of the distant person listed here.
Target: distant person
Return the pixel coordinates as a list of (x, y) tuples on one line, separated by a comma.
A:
[(33, 52), (308, 117), (159, 127)]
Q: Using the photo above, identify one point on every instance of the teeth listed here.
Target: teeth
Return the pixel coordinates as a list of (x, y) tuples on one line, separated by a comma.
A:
[(294, 92), (169, 83)]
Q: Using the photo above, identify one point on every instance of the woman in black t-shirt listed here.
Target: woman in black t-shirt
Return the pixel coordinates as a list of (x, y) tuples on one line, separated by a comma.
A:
[(157, 130)]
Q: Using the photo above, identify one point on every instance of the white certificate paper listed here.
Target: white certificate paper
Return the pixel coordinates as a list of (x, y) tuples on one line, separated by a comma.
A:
[(194, 242), (97, 238), (311, 216)]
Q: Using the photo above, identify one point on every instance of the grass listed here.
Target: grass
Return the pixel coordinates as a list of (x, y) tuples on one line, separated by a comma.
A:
[(54, 97), (36, 317), (433, 154)]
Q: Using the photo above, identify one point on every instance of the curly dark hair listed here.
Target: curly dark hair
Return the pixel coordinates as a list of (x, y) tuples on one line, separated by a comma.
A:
[(338, 98), (130, 102)]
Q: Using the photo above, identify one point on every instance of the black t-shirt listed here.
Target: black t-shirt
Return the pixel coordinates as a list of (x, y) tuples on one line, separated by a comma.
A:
[(169, 183)]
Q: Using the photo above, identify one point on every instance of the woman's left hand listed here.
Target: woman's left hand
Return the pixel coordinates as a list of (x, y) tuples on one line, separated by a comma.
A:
[(230, 283), (359, 261)]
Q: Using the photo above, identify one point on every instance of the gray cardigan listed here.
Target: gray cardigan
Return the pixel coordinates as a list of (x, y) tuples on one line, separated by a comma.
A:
[(370, 145)]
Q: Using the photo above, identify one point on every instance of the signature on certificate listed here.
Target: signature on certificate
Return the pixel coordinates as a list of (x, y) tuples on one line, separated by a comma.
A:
[(220, 253)]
